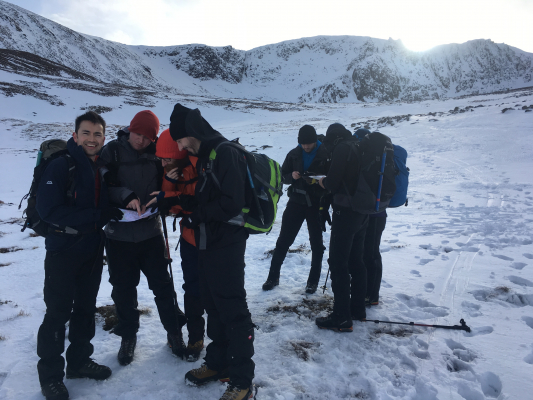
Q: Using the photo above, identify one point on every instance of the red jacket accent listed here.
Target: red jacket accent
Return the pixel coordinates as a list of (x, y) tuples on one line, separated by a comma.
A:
[(176, 189)]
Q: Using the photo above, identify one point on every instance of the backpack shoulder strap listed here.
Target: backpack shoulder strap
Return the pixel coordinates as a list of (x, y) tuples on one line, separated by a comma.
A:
[(71, 183)]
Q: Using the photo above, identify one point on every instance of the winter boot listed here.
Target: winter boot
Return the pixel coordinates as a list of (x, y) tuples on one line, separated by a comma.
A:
[(55, 390), (270, 283), (193, 350), (234, 393), (334, 323), (310, 289), (175, 342), (89, 370), (127, 350), (201, 376)]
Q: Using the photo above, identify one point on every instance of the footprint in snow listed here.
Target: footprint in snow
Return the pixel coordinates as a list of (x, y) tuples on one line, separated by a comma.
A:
[(528, 255), (520, 281), (528, 321), (529, 358), (491, 385), (429, 287), (425, 246), (461, 352), (471, 308), (421, 308), (416, 273), (468, 393), (433, 253), (518, 265), (424, 261), (481, 330), (502, 257), (385, 284)]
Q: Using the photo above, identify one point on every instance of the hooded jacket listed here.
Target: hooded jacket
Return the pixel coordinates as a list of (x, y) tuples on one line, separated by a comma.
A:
[(300, 191), (81, 211), (134, 176), (217, 203)]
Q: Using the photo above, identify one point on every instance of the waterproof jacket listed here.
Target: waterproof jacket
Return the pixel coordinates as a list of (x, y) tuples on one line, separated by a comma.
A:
[(186, 185), (343, 174), (132, 175), (300, 191), (221, 188), (79, 212)]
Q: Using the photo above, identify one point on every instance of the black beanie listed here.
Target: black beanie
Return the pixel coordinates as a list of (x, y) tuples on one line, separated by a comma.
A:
[(335, 133), (177, 122), (307, 135)]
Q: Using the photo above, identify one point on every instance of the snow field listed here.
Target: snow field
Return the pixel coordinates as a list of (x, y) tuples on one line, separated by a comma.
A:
[(463, 248)]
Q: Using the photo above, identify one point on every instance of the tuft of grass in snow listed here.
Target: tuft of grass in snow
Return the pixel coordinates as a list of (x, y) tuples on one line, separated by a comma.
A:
[(301, 249), (309, 308), (4, 250), (4, 264), (2, 338), (302, 348), (21, 313), (109, 315)]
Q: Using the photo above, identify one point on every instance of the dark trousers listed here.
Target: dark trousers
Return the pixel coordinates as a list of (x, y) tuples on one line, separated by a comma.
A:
[(372, 256), (293, 217), (348, 273), (229, 323), (126, 260), (194, 309), (71, 283)]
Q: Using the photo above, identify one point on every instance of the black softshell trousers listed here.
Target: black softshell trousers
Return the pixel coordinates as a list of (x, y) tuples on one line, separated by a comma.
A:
[(372, 256), (293, 217), (229, 323), (71, 283), (126, 260), (191, 285), (348, 273)]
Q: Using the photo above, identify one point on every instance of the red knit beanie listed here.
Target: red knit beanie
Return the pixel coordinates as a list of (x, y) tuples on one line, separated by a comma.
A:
[(145, 123), (168, 148)]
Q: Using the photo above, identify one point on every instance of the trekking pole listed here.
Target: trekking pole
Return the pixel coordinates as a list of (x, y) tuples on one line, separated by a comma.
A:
[(462, 327), (182, 320), (324, 288), (381, 171)]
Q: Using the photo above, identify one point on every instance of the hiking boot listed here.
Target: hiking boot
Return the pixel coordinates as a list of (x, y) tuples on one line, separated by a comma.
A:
[(270, 283), (201, 376), (176, 343), (127, 350), (234, 393), (193, 350), (334, 323), (55, 390), (310, 289), (89, 370)]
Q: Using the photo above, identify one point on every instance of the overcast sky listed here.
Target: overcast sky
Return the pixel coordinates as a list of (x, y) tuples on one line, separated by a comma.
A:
[(245, 24)]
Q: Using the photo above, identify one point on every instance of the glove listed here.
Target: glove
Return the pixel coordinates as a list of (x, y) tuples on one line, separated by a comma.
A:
[(323, 212), (310, 181), (191, 221), (164, 204), (108, 214), (188, 202)]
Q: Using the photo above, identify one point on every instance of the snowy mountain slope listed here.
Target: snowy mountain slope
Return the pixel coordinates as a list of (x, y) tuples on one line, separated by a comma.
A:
[(463, 248), (325, 69)]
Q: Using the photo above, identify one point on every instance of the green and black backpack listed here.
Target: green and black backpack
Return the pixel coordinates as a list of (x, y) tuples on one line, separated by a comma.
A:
[(264, 180)]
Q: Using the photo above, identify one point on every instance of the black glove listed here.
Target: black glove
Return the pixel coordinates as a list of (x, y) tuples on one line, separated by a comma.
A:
[(164, 204), (323, 212), (187, 202), (191, 221), (108, 214)]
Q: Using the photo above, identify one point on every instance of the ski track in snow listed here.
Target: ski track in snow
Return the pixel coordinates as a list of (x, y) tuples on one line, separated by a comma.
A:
[(461, 249)]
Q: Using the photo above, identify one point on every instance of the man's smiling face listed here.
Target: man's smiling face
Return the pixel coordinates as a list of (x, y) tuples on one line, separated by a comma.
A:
[(90, 137)]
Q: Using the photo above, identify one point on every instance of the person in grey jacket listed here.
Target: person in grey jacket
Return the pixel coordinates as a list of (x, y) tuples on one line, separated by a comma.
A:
[(131, 247)]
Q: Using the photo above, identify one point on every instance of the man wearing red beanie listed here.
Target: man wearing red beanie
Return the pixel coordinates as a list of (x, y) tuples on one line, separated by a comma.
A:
[(131, 247)]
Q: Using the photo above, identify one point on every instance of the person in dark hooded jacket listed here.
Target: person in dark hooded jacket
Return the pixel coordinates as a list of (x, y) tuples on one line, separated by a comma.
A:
[(304, 200), (348, 227), (221, 194), (74, 262)]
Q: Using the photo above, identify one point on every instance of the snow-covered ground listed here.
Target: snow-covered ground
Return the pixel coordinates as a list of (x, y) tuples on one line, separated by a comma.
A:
[(463, 248)]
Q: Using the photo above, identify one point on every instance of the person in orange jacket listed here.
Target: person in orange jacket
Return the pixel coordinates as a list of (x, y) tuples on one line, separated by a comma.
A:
[(177, 197)]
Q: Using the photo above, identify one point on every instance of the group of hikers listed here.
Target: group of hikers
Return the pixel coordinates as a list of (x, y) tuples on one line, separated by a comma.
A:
[(82, 197)]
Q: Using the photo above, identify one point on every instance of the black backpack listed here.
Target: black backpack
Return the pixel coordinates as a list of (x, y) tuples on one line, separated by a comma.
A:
[(264, 180), (49, 151), (376, 185)]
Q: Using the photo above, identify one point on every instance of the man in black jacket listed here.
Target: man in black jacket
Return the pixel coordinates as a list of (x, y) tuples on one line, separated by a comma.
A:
[(131, 247), (348, 227), (304, 199), (221, 194), (74, 262)]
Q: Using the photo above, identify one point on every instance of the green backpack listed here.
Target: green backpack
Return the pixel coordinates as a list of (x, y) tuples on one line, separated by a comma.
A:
[(264, 180)]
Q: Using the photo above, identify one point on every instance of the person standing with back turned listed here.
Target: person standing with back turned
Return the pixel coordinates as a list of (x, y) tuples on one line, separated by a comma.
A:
[(221, 194)]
